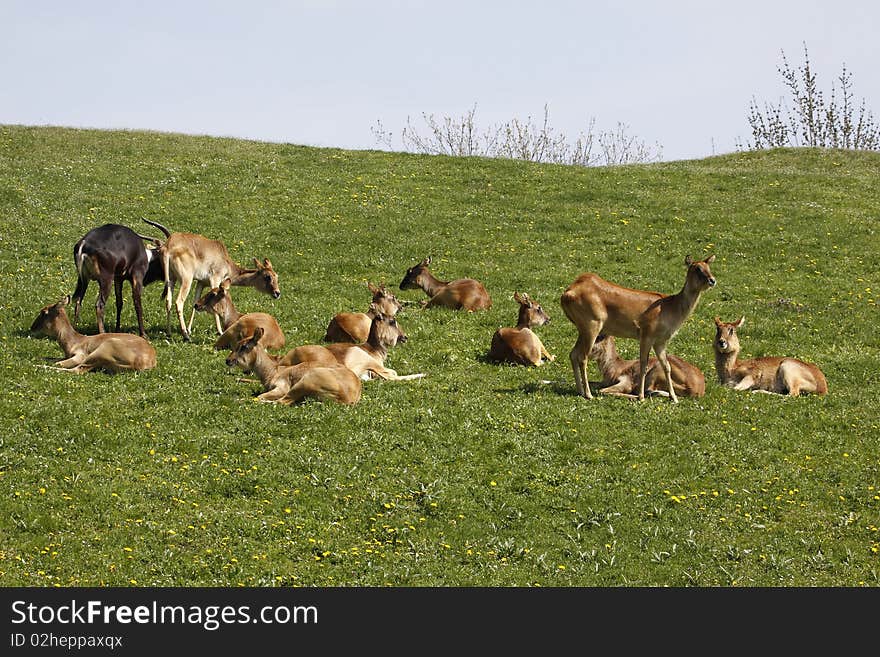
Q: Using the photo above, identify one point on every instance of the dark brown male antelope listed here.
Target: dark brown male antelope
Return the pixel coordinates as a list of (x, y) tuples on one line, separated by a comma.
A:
[(355, 327), (460, 294), (295, 383), (596, 306), (621, 377), (238, 326), (113, 253), (783, 376), (187, 257), (363, 359), (520, 345), (111, 352)]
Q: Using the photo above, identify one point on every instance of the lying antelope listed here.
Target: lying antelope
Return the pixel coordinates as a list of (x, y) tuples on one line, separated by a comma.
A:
[(111, 352), (520, 345), (463, 293), (783, 376), (621, 377), (293, 383), (238, 326), (187, 257), (363, 359), (596, 306), (355, 327)]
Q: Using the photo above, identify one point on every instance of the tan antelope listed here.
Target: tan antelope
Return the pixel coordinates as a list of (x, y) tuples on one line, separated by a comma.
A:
[(355, 327), (596, 306), (187, 257), (520, 345), (238, 326), (460, 294), (621, 377), (292, 384), (363, 359), (783, 376), (111, 352)]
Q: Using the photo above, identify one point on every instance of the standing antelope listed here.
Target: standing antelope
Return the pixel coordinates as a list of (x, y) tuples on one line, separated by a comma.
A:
[(294, 383), (620, 377), (112, 352), (355, 327), (783, 376), (188, 257), (237, 326), (362, 359), (596, 306), (520, 345), (462, 293), (115, 253)]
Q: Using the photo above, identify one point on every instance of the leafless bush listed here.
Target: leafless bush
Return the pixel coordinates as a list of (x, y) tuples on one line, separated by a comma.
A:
[(810, 119), (521, 140)]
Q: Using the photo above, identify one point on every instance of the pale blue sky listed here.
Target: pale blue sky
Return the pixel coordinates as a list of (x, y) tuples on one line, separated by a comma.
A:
[(322, 73)]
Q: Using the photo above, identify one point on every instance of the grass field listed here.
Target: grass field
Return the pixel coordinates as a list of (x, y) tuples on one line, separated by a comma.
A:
[(478, 474)]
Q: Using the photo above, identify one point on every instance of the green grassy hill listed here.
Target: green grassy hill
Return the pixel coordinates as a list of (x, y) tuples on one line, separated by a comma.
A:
[(478, 474)]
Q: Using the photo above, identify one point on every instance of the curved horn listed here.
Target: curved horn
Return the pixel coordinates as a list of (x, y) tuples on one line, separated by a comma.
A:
[(159, 226)]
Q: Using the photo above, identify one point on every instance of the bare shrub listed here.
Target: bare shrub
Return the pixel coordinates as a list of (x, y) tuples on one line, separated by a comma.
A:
[(520, 140), (808, 118)]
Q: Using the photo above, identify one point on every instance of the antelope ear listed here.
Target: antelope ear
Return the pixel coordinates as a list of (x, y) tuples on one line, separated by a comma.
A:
[(688, 261), (372, 288), (517, 297), (717, 321), (266, 263), (258, 333), (740, 322), (227, 282), (426, 261), (65, 300), (710, 259)]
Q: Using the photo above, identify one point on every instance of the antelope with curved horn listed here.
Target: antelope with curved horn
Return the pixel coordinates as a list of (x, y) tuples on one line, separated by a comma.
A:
[(238, 326), (295, 383), (111, 352), (189, 257), (621, 377), (355, 327), (520, 345), (115, 253), (783, 376), (461, 294), (596, 306)]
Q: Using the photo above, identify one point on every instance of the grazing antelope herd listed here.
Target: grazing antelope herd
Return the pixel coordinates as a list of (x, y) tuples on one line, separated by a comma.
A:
[(358, 344)]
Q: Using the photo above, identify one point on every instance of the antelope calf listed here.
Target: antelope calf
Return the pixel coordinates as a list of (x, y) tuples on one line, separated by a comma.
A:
[(621, 377), (783, 376), (355, 327), (112, 352), (520, 345), (238, 326), (460, 294), (596, 306), (113, 253), (188, 257), (295, 383), (363, 359)]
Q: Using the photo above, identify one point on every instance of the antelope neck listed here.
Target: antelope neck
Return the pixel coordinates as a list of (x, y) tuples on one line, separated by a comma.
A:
[(431, 284), (229, 314), (66, 335), (725, 363)]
